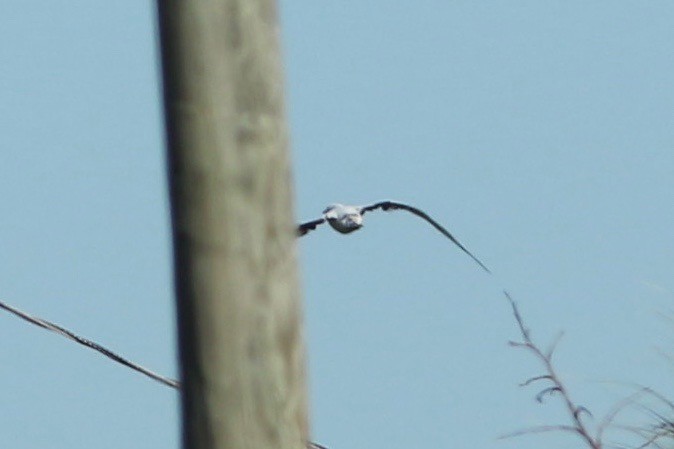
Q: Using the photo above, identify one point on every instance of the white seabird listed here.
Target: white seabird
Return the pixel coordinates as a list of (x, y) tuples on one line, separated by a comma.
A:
[(346, 219)]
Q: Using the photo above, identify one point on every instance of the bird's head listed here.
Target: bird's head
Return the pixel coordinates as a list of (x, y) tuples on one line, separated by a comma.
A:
[(333, 208)]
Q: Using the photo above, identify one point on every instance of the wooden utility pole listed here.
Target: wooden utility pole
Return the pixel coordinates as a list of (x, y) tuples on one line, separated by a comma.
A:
[(239, 314)]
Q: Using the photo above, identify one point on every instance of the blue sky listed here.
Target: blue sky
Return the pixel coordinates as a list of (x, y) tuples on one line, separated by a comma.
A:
[(539, 133)]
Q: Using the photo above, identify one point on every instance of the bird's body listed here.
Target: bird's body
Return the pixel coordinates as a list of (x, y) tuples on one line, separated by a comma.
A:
[(346, 219), (343, 219)]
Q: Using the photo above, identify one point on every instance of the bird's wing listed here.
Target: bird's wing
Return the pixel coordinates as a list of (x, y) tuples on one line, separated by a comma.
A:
[(303, 228), (392, 205)]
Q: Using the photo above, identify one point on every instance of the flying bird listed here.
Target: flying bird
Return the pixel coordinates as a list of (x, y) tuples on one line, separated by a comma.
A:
[(346, 219)]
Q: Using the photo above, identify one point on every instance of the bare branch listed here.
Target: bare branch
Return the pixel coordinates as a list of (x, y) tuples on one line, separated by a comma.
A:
[(553, 346), (651, 438), (659, 396), (611, 415), (518, 317), (539, 429), (579, 410), (574, 411), (535, 379), (548, 391)]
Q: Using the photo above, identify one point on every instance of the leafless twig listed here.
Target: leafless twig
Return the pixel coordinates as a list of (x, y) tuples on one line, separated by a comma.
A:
[(663, 427), (556, 388), (540, 429), (617, 408)]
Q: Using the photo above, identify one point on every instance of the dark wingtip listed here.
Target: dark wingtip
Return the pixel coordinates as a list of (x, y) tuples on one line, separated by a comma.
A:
[(485, 268)]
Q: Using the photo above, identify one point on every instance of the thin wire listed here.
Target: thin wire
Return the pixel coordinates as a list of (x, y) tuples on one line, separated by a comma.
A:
[(106, 352), (90, 344)]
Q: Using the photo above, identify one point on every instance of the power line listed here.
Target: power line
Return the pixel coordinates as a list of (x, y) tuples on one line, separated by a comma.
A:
[(106, 352), (90, 344)]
